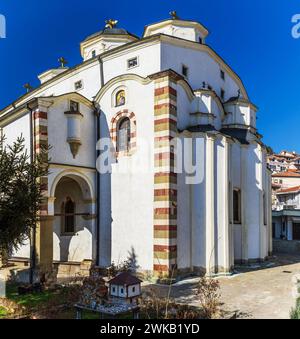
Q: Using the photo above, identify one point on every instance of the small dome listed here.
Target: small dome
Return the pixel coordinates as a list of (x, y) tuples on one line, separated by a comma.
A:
[(108, 38), (110, 31)]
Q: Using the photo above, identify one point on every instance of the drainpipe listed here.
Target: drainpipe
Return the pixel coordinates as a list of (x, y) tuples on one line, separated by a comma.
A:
[(33, 235), (98, 135)]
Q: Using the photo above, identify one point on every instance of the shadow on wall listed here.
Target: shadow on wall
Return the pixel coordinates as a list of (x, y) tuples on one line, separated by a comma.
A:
[(105, 208)]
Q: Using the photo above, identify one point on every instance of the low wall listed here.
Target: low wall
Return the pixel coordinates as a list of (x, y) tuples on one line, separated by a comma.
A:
[(285, 246)]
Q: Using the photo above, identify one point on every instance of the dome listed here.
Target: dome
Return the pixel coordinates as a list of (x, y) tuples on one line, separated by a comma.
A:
[(108, 38), (110, 31)]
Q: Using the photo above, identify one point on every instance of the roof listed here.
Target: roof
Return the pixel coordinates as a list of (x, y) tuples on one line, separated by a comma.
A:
[(111, 31), (201, 128), (177, 22), (239, 100), (237, 133), (287, 174), (289, 190), (161, 37), (125, 279)]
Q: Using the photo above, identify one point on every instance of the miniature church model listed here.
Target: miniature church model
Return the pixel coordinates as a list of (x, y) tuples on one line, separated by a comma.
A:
[(125, 288)]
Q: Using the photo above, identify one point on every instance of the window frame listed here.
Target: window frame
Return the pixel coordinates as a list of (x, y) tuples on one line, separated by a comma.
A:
[(128, 138), (237, 221), (185, 67), (76, 82), (74, 102), (222, 94), (64, 215), (132, 59), (222, 75)]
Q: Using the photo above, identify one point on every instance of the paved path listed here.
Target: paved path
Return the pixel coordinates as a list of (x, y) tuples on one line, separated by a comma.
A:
[(265, 292), (258, 291)]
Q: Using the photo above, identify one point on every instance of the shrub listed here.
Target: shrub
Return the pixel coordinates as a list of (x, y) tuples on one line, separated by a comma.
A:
[(209, 297), (295, 313)]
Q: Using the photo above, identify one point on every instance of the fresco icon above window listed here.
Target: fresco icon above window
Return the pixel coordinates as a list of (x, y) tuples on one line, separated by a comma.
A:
[(120, 98)]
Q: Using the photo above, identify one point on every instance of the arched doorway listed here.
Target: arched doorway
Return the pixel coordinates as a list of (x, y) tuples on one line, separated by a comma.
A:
[(74, 219)]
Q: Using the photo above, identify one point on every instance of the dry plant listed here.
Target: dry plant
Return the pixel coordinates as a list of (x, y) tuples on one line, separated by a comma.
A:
[(153, 306), (209, 297)]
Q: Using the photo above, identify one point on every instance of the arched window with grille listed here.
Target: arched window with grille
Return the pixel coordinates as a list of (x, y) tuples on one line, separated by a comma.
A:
[(124, 135), (68, 216)]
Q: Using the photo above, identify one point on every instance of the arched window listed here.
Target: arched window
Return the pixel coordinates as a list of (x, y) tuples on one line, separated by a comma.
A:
[(68, 216), (124, 135), (120, 98)]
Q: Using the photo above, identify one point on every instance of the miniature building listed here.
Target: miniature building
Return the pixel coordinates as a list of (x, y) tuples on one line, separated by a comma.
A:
[(125, 287)]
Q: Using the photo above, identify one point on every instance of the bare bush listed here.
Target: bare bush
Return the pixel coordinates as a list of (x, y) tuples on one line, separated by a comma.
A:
[(209, 297), (156, 307)]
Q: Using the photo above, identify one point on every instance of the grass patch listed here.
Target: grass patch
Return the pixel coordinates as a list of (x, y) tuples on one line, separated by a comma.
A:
[(3, 313), (49, 304), (295, 313), (31, 300)]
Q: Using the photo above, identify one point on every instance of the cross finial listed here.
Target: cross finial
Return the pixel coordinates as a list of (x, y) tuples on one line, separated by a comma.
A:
[(63, 62), (28, 87), (111, 23), (174, 15)]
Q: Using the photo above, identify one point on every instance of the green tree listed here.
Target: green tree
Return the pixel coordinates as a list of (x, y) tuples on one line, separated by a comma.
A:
[(20, 193)]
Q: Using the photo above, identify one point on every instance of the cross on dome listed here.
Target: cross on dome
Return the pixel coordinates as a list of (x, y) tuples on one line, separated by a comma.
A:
[(111, 23), (28, 87), (63, 62), (174, 15)]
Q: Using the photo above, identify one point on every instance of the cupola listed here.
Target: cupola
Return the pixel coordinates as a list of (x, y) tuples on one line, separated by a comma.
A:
[(108, 38), (183, 29), (52, 73), (240, 112)]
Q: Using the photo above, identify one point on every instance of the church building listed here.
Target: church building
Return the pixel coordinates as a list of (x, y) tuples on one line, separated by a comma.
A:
[(137, 95)]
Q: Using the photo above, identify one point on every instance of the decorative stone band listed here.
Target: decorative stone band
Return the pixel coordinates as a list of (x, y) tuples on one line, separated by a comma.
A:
[(115, 122), (40, 122), (165, 178)]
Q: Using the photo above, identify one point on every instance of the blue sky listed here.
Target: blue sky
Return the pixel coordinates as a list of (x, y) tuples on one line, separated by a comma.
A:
[(254, 37)]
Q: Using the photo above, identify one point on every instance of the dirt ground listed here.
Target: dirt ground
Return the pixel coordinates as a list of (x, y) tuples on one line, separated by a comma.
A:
[(254, 292)]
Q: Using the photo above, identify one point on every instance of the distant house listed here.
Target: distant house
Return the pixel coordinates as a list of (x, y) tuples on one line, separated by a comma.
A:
[(284, 161), (125, 287), (286, 214)]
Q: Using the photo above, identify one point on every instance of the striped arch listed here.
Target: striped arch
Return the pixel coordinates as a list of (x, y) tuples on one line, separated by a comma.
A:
[(114, 130)]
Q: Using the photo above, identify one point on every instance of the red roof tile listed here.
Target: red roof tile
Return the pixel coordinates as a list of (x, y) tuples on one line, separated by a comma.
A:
[(125, 279), (290, 173), (289, 190)]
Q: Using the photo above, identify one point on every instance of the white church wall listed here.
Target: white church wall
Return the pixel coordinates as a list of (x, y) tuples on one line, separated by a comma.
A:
[(198, 214), (60, 152), (221, 210), (254, 194), (218, 115), (187, 33), (202, 68), (236, 184), (16, 128), (148, 56), (88, 74), (184, 215), (127, 208), (236, 165), (184, 108)]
